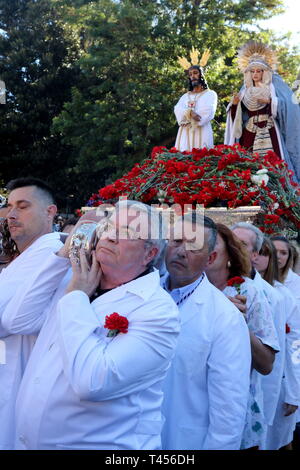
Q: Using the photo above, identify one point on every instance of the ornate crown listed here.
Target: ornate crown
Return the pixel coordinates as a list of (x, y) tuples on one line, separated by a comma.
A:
[(256, 53), (194, 55)]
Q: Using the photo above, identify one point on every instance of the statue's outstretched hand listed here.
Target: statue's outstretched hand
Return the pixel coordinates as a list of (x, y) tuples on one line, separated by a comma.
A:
[(236, 99)]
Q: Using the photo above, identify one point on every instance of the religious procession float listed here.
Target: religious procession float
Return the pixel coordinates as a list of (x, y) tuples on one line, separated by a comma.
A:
[(227, 180)]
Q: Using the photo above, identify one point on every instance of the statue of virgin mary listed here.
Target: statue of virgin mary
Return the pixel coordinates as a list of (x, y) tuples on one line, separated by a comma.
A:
[(264, 115)]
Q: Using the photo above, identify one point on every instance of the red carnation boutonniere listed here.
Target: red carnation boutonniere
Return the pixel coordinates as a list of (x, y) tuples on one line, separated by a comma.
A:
[(236, 282), (287, 328), (116, 324)]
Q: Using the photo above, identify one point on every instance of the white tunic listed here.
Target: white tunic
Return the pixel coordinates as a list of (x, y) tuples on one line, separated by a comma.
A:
[(260, 323), (271, 383), (200, 134), (206, 389), (292, 282), (280, 433), (15, 348), (83, 390)]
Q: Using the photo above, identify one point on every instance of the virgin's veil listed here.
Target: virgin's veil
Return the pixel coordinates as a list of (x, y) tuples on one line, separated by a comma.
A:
[(288, 119)]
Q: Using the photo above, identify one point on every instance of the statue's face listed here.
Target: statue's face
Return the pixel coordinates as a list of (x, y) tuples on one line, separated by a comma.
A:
[(194, 76), (257, 74)]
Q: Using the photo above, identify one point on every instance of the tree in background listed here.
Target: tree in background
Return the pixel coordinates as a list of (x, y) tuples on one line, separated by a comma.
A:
[(39, 55), (130, 79)]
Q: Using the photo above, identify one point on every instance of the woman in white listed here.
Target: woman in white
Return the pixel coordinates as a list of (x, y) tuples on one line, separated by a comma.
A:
[(282, 387), (285, 262), (232, 263)]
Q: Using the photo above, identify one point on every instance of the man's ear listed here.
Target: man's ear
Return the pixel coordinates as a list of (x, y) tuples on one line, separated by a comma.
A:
[(153, 251), (254, 256), (52, 210), (211, 258)]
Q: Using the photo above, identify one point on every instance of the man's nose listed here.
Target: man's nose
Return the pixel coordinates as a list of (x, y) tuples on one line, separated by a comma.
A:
[(11, 214), (112, 235), (181, 250)]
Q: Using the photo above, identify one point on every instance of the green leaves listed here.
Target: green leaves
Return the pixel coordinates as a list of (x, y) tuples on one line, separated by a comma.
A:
[(38, 65)]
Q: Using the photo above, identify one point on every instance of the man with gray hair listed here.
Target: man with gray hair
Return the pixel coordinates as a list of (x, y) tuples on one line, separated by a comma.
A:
[(251, 237), (206, 389), (95, 375)]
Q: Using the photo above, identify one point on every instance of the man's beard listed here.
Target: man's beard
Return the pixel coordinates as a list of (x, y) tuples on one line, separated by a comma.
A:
[(195, 83)]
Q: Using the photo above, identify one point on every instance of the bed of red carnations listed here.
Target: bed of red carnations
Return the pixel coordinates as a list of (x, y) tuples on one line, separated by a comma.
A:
[(226, 176)]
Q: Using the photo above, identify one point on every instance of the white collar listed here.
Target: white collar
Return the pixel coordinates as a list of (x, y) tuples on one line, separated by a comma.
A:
[(39, 242), (143, 287), (179, 294), (291, 275), (42, 239)]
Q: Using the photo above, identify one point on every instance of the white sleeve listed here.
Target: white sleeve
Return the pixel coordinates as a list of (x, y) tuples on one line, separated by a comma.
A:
[(228, 384), (14, 278), (292, 356), (228, 139), (100, 368), (25, 313), (180, 109), (234, 128), (274, 101), (260, 319), (207, 109)]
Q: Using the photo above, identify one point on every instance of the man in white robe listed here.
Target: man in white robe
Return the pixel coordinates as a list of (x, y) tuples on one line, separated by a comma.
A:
[(194, 112), (206, 389), (30, 214), (83, 388)]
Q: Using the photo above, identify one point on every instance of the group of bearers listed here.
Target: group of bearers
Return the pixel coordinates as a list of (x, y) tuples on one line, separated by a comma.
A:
[(202, 353), (264, 115)]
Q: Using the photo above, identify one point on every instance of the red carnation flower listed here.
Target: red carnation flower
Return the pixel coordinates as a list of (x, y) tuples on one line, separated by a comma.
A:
[(116, 323), (210, 177), (158, 150), (236, 282)]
